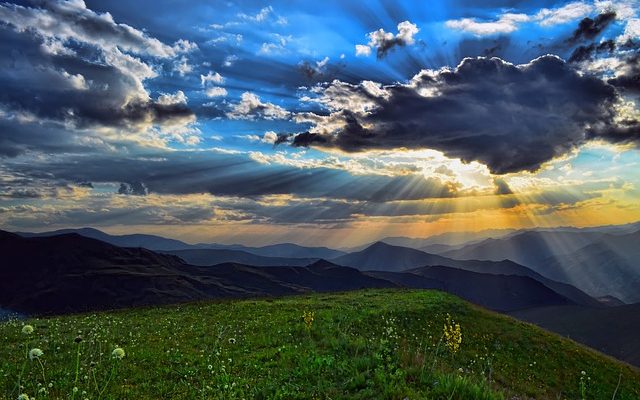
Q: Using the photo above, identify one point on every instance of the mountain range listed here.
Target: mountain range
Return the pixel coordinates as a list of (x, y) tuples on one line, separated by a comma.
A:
[(67, 271)]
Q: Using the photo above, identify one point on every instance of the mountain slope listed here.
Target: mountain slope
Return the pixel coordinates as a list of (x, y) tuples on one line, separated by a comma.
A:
[(612, 330), (497, 292), (597, 263), (384, 257), (70, 273), (371, 344), (151, 242), (207, 257), (381, 256), (528, 248)]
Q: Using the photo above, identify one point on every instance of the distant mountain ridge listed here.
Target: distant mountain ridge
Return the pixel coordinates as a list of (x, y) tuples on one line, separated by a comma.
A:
[(70, 273), (599, 263), (159, 243)]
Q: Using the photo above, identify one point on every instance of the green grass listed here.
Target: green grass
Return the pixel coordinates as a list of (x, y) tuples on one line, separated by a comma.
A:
[(367, 344)]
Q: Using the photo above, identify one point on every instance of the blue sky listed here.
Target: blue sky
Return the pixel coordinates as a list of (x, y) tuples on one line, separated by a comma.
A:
[(327, 121)]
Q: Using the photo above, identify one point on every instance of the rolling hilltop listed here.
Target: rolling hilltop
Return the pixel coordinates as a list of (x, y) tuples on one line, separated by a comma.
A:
[(383, 344)]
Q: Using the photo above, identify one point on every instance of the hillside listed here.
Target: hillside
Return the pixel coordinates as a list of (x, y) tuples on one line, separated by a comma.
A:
[(205, 257), (382, 344), (71, 273), (612, 330)]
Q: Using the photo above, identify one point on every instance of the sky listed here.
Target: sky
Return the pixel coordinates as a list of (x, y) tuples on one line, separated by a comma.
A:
[(321, 123)]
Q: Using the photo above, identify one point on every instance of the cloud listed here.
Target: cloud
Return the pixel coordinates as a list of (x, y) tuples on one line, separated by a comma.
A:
[(510, 22), (383, 41), (507, 23), (586, 52), (567, 13), (72, 20), (216, 91), (251, 107), (589, 28), (80, 68), (363, 50), (270, 137), (277, 46), (221, 174), (314, 69), (134, 188), (502, 187), (211, 78), (230, 60), (509, 117)]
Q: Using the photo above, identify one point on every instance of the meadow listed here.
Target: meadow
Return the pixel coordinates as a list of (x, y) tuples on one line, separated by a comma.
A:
[(368, 344)]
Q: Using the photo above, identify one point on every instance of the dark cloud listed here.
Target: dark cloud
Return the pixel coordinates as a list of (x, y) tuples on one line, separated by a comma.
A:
[(234, 175), (134, 188), (584, 53), (510, 118), (501, 187), (589, 28), (628, 76), (66, 63)]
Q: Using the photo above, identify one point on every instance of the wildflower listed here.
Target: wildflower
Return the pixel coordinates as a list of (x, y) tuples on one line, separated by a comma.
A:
[(308, 317), (23, 397), (232, 340), (27, 330), (118, 353), (35, 353), (452, 335)]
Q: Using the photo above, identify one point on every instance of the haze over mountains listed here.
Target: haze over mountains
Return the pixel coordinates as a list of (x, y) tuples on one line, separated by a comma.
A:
[(541, 276)]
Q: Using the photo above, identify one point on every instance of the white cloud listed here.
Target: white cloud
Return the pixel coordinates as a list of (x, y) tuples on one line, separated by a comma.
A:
[(251, 107), (216, 91), (277, 46), (182, 66), (510, 22), (178, 97), (507, 23), (262, 15), (230, 60), (269, 137), (564, 14), (363, 50), (211, 77)]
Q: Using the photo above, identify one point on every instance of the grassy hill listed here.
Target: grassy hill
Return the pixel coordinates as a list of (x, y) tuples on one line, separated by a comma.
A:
[(369, 344)]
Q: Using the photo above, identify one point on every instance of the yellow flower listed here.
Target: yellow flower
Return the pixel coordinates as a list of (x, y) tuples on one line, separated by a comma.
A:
[(452, 335), (27, 330), (308, 317)]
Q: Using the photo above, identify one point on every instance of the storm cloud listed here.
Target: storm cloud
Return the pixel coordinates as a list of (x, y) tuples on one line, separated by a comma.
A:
[(508, 117), (80, 68)]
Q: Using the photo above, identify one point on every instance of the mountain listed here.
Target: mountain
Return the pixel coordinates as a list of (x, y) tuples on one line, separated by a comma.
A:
[(381, 256), (600, 264), (69, 273), (608, 268), (151, 242), (612, 330), (497, 292), (291, 250), (384, 257), (207, 257), (528, 248), (72, 273)]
